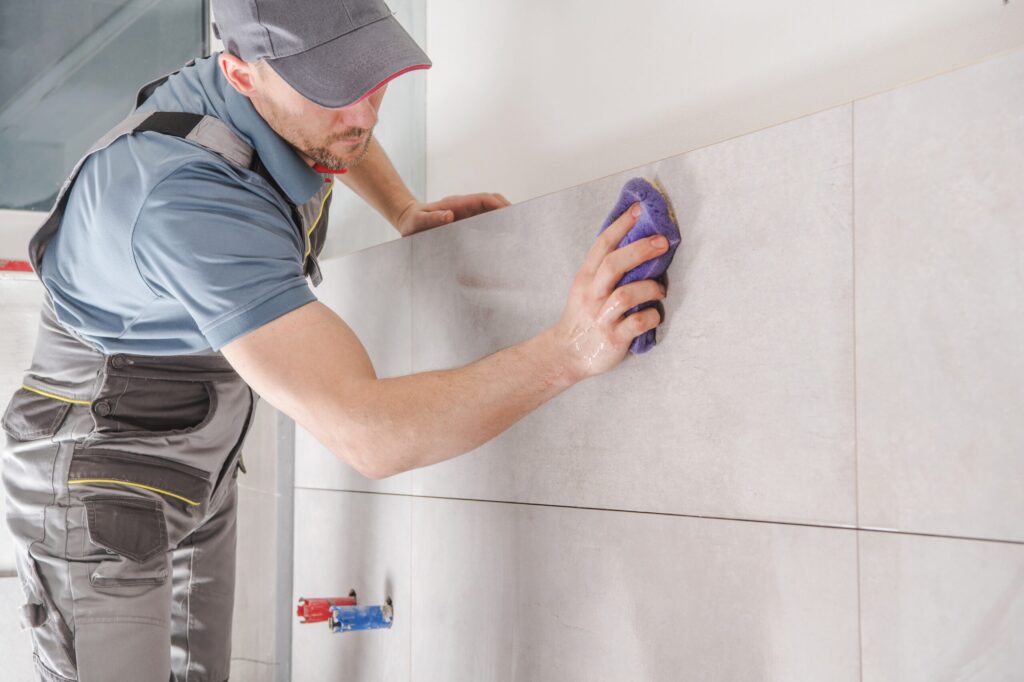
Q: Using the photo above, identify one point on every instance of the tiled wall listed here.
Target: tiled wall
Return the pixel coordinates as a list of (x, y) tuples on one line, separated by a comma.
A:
[(260, 639), (817, 474)]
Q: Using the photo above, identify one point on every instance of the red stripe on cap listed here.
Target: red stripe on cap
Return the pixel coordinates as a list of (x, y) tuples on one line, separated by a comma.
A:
[(391, 77), (334, 171), (15, 265)]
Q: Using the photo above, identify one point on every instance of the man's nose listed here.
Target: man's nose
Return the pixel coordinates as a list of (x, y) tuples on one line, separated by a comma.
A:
[(362, 114)]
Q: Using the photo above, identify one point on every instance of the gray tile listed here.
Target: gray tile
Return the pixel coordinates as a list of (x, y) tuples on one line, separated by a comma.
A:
[(941, 609), (253, 633), (745, 407), (940, 316), (15, 644), (361, 541), (369, 290), (515, 592), (253, 671), (260, 451)]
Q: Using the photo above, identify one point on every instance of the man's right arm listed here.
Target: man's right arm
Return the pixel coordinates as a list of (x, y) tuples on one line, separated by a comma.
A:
[(310, 365)]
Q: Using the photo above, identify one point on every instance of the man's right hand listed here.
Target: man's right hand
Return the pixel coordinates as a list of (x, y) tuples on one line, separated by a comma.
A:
[(593, 335)]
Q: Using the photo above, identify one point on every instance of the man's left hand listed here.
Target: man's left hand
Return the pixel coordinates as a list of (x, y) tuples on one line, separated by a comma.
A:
[(419, 216)]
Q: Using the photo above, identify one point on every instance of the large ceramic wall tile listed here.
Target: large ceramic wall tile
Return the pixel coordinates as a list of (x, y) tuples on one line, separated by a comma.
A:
[(255, 628), (369, 290), (745, 407), (516, 592), (941, 609), (254, 671), (940, 315), (15, 644), (260, 451), (360, 541)]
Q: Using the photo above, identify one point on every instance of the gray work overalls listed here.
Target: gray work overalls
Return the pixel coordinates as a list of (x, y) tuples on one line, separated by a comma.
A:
[(119, 472)]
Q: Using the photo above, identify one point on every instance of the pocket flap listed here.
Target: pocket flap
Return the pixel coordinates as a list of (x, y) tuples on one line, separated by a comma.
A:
[(130, 527), (31, 415), (174, 480)]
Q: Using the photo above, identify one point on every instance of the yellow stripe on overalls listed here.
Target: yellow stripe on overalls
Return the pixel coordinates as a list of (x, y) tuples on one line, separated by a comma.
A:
[(135, 485), (79, 481), (309, 235), (56, 397)]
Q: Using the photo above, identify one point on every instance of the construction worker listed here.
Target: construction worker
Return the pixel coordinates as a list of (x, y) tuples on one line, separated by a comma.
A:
[(175, 263)]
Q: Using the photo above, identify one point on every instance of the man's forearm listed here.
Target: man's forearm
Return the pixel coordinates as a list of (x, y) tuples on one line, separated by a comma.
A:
[(379, 184), (434, 416)]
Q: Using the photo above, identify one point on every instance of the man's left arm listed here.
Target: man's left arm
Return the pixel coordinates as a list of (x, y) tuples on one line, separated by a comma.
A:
[(378, 183)]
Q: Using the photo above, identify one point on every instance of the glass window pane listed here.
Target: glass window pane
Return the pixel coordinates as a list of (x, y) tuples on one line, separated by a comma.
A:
[(71, 71)]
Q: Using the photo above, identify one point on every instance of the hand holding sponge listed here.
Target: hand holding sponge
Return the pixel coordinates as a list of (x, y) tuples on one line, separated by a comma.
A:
[(656, 218)]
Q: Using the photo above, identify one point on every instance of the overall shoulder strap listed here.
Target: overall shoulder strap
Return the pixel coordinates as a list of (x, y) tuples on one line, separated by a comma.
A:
[(207, 131)]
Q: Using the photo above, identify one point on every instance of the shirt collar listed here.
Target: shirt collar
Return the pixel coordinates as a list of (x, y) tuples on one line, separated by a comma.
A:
[(298, 180)]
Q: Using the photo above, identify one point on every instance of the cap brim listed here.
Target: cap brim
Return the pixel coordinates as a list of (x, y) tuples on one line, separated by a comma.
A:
[(343, 71)]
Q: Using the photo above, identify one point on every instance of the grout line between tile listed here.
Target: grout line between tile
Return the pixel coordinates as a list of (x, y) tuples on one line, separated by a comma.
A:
[(412, 369), (853, 297), (799, 524), (412, 592), (860, 617), (412, 596), (856, 433)]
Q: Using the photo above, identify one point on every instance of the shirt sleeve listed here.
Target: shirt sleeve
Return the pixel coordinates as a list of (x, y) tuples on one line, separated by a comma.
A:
[(228, 252)]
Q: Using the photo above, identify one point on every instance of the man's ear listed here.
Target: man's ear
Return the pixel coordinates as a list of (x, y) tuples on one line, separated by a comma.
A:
[(240, 73)]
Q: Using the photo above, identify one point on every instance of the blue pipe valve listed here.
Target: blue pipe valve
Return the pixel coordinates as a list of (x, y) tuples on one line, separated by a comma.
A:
[(349, 618)]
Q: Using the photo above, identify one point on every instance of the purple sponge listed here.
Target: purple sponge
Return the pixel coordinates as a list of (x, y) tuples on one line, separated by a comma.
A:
[(656, 219)]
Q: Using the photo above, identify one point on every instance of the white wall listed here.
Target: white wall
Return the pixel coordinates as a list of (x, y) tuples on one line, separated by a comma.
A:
[(16, 228), (401, 130), (530, 97), (814, 475)]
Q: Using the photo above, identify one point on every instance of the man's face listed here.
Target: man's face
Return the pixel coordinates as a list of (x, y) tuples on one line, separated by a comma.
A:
[(336, 138)]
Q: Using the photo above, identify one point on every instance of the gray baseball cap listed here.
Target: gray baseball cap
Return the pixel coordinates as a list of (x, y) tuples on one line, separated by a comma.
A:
[(333, 52)]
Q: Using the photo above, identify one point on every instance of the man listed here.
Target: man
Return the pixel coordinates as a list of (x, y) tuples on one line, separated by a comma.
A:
[(175, 264)]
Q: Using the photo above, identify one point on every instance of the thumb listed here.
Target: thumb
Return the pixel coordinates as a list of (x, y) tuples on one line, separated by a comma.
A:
[(437, 218)]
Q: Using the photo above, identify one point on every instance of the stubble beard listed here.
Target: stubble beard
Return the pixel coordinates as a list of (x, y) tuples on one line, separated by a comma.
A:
[(323, 155), (320, 153)]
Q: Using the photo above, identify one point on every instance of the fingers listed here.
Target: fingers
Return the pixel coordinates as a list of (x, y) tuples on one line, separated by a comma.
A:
[(609, 239), (468, 205), (619, 262), (635, 325), (427, 220), (629, 296), (481, 203)]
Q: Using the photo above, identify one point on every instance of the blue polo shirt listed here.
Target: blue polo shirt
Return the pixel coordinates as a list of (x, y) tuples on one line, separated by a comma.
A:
[(167, 248)]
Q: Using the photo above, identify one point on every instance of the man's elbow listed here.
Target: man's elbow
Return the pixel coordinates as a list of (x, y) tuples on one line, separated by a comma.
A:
[(373, 470), (367, 461)]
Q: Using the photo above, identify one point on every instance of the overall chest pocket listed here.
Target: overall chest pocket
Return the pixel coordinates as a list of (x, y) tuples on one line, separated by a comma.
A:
[(129, 405)]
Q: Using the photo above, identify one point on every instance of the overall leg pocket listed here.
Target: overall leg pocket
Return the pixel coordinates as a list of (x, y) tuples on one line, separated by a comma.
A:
[(52, 639), (134, 531)]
